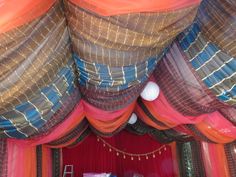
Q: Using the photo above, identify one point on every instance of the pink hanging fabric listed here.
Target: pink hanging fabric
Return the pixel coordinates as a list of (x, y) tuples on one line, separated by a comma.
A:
[(167, 114), (214, 160), (73, 119), (163, 108), (222, 125), (21, 159), (103, 115)]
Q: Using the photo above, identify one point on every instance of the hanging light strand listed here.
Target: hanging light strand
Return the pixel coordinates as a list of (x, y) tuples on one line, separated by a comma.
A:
[(125, 155)]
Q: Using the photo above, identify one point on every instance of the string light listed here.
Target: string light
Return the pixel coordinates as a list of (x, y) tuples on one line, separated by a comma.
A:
[(132, 155)]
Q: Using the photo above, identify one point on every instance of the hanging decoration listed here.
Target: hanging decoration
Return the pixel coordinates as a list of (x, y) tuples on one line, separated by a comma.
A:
[(133, 119), (150, 92), (132, 156)]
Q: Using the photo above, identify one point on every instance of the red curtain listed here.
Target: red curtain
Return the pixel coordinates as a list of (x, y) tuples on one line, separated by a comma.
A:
[(92, 156)]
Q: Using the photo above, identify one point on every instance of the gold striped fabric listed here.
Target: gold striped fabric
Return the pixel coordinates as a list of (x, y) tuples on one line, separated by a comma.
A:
[(123, 40), (31, 55), (218, 23)]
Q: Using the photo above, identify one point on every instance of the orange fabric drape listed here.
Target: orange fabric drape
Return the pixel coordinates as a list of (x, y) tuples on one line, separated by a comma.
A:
[(14, 13), (152, 109), (21, 159), (147, 120), (175, 159), (109, 126), (46, 162), (213, 134), (115, 7), (70, 141)]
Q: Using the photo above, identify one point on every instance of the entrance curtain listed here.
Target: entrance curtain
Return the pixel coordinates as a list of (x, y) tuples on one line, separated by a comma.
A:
[(92, 156)]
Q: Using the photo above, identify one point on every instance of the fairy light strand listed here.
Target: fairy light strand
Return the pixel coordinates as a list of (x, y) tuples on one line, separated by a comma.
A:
[(132, 155)]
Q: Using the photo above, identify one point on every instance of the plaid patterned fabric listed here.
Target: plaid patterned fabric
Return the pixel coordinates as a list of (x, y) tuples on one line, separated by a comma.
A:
[(123, 40), (182, 86), (26, 119), (215, 68), (231, 157), (69, 103), (79, 129), (218, 24), (111, 100), (30, 56), (229, 114), (190, 159), (113, 78)]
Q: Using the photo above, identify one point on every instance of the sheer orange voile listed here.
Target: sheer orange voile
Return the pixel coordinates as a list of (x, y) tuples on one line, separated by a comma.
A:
[(14, 13), (46, 162), (115, 7), (109, 126), (175, 158)]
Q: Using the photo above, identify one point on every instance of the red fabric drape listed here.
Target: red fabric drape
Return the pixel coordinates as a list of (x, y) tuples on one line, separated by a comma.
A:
[(92, 156)]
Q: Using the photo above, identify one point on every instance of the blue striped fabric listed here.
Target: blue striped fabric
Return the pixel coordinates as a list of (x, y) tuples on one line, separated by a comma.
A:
[(113, 78), (31, 115), (215, 67)]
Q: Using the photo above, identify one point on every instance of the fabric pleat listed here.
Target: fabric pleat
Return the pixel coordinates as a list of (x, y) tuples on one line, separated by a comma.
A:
[(124, 40), (12, 15), (27, 118), (230, 150), (190, 160), (182, 87), (37, 76), (218, 24), (115, 7), (109, 78), (29, 53), (214, 67)]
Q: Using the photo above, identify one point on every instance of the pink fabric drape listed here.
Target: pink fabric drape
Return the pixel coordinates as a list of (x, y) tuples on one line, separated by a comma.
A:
[(21, 160), (165, 113), (100, 114), (214, 160)]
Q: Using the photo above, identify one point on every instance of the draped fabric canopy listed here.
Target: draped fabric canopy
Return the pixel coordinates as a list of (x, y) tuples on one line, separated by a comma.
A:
[(68, 68)]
